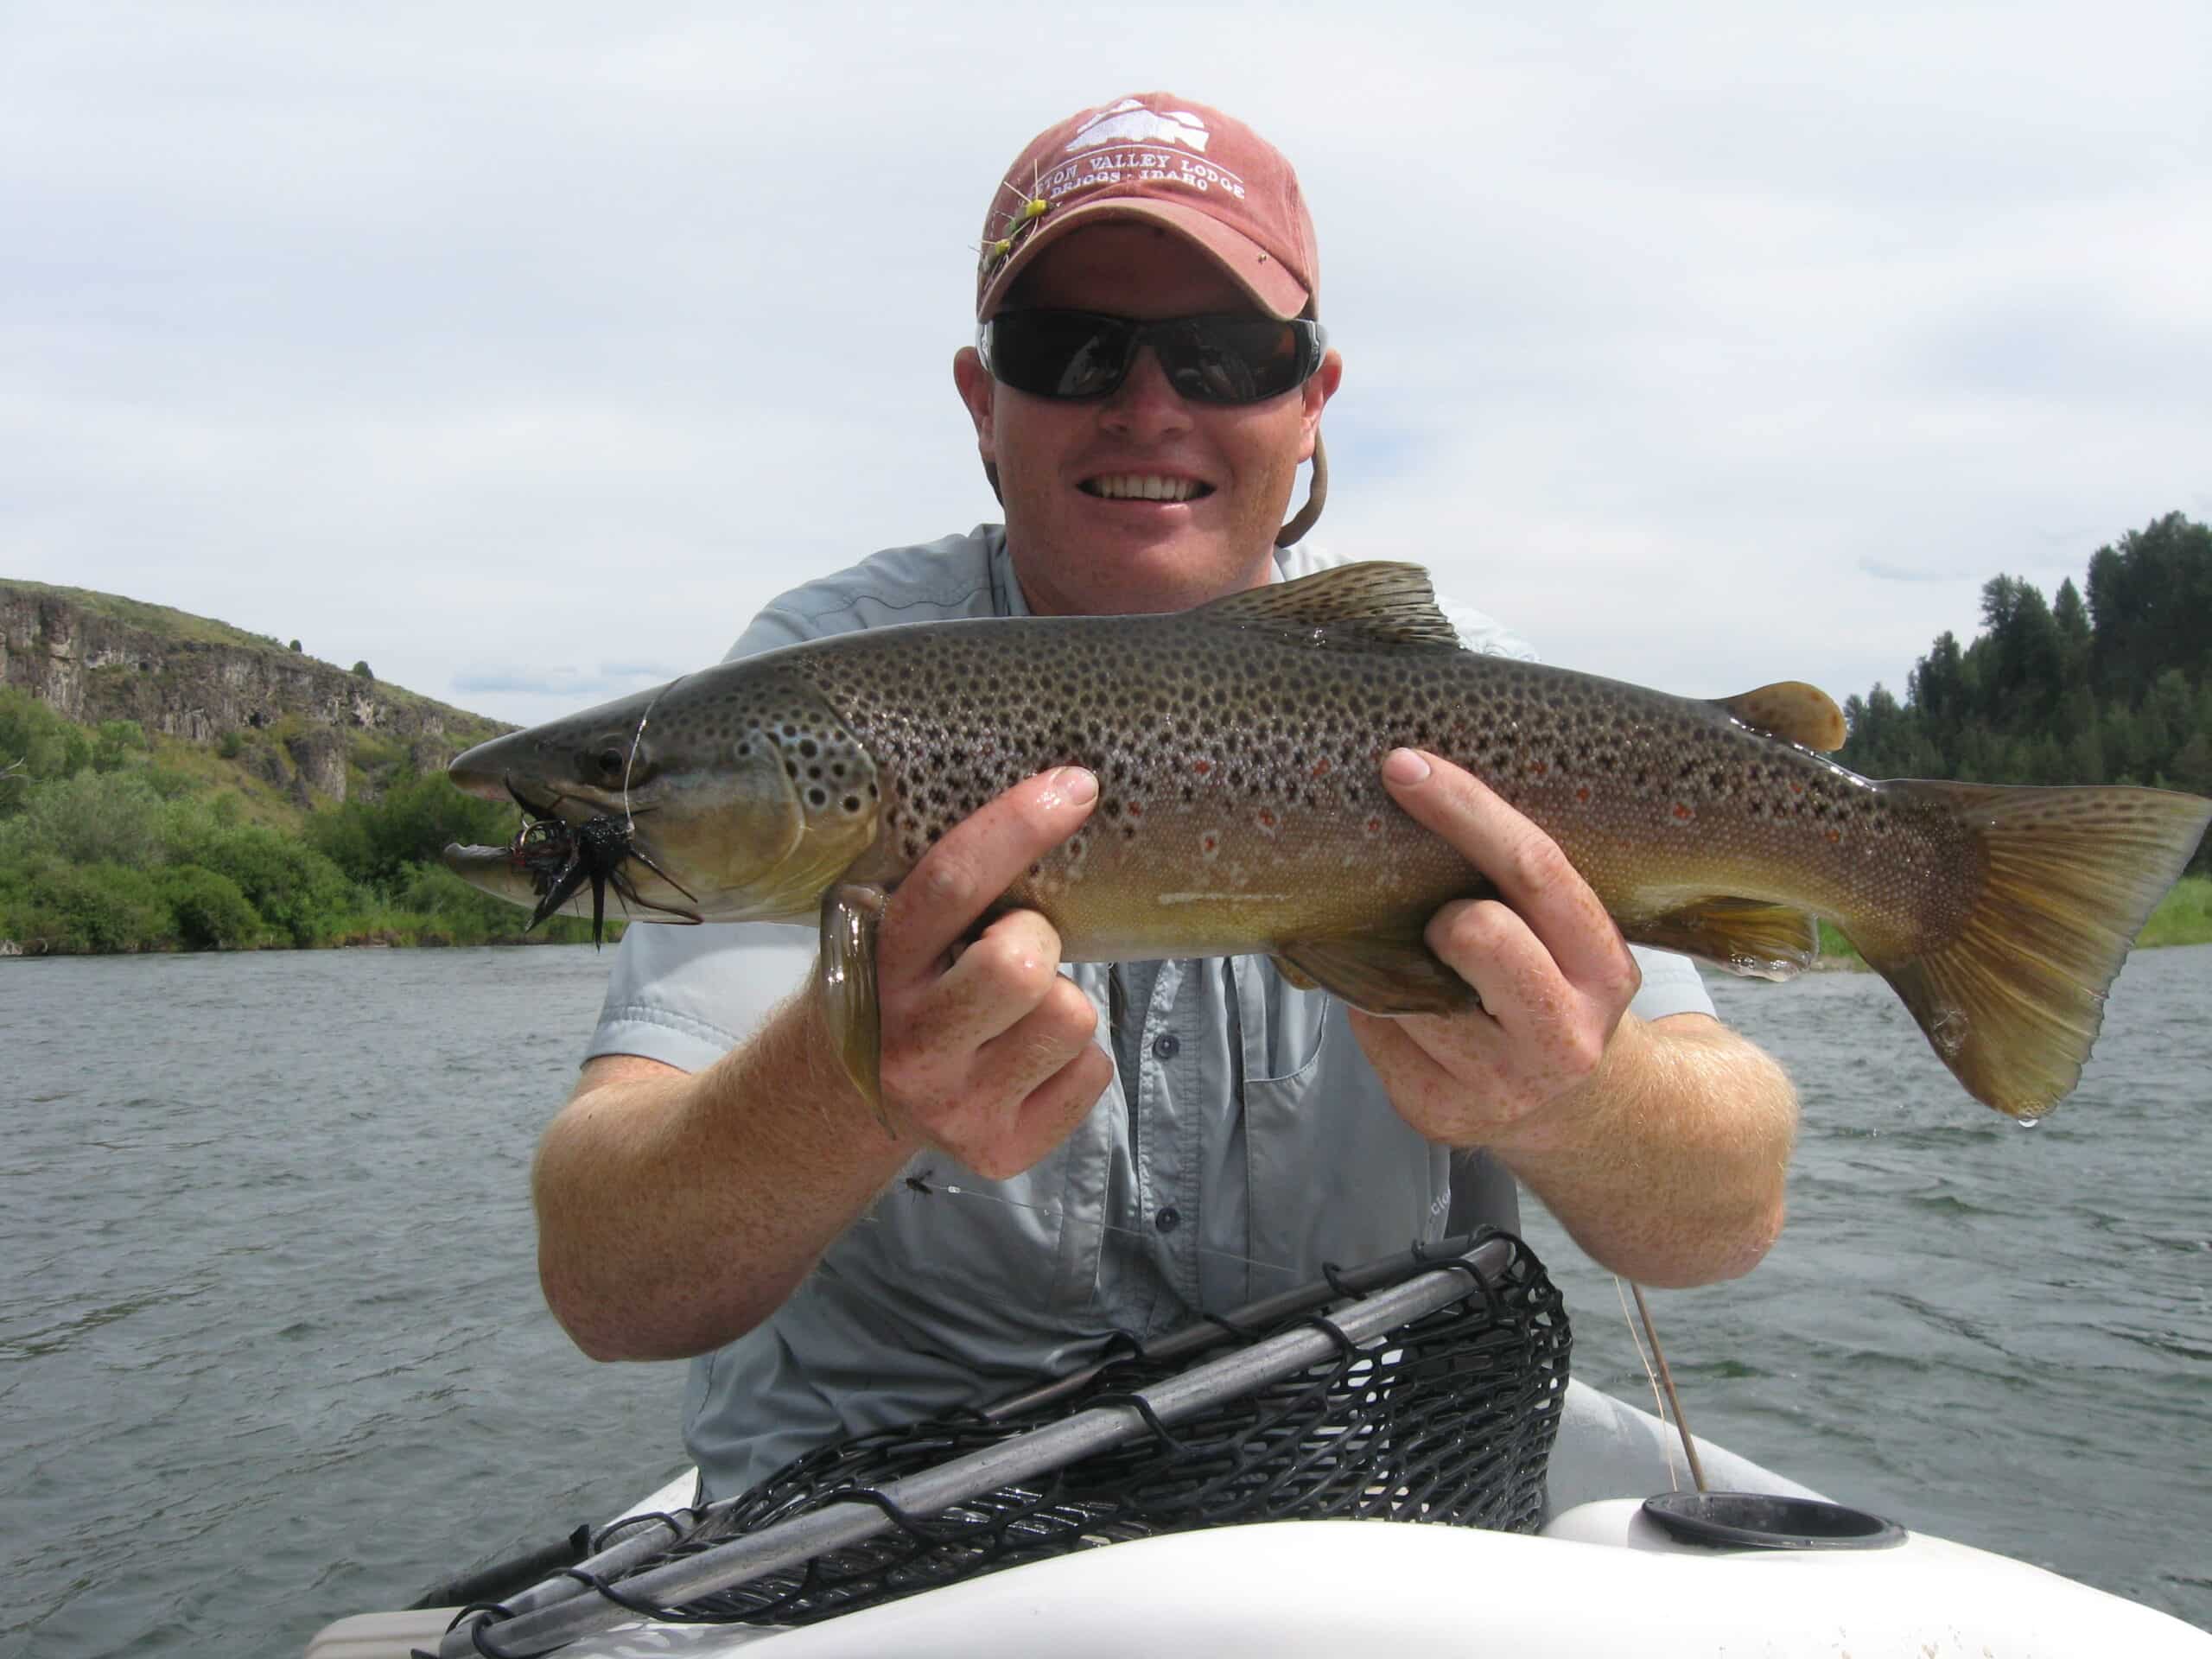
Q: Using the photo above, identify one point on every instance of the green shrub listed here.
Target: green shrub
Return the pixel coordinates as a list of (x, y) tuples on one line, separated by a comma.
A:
[(39, 742), (92, 907), (94, 818), (211, 914), (116, 744), (299, 893), (378, 842)]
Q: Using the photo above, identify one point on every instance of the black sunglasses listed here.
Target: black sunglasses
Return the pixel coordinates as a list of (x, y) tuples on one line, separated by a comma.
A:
[(1224, 360)]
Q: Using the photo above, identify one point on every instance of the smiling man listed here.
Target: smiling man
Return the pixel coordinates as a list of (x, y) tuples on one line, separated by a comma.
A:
[(1146, 1141)]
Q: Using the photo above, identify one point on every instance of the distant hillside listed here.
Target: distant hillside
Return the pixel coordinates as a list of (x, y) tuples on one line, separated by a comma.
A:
[(168, 781), (294, 730)]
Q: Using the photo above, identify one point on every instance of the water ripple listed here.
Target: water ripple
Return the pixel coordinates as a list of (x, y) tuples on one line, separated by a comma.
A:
[(274, 1350)]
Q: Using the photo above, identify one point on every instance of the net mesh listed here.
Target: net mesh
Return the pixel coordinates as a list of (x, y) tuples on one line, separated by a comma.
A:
[(1449, 1418)]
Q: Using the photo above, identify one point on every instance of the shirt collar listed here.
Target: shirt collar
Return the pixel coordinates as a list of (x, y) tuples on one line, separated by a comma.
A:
[(1007, 597)]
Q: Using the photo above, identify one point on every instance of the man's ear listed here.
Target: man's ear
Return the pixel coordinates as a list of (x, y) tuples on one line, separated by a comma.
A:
[(1320, 387), (977, 390)]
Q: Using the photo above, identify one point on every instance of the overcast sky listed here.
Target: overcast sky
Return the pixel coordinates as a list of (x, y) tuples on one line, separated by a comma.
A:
[(524, 350)]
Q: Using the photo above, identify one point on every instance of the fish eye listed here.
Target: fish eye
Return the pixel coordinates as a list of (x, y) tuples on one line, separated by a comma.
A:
[(610, 762)]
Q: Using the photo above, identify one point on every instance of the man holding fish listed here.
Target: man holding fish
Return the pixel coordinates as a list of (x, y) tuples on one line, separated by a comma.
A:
[(1128, 1141)]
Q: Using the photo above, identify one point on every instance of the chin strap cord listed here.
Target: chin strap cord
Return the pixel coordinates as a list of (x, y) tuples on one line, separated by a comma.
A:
[(1304, 518)]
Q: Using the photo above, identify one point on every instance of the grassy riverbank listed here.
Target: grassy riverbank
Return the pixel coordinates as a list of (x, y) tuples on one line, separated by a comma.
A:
[(113, 841), (2183, 917)]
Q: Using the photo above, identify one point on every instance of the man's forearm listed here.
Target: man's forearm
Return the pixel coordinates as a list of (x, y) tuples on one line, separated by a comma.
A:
[(677, 1210), (1668, 1164)]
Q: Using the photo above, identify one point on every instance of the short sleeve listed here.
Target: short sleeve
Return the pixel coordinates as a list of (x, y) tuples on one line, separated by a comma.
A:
[(687, 995), (1671, 985)]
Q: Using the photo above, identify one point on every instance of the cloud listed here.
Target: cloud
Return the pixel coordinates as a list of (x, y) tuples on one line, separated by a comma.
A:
[(1881, 570), (1694, 345), (607, 681)]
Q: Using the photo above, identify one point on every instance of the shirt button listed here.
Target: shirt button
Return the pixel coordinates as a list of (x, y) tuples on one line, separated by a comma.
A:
[(1167, 1045), (1169, 1220)]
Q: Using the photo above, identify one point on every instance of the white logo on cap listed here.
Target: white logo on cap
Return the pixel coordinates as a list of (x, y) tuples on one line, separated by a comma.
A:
[(1131, 122)]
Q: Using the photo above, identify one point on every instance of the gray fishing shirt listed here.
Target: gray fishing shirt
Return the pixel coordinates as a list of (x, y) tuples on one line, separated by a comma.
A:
[(1243, 1142)]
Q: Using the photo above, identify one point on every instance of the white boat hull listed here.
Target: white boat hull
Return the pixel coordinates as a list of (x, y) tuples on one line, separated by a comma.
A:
[(1599, 1579)]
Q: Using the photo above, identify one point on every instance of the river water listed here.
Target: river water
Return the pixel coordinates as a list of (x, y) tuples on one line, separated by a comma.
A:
[(271, 1350)]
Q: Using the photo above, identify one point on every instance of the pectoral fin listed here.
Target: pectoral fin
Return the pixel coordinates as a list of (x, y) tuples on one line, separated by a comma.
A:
[(1744, 935), (845, 983), (1381, 972)]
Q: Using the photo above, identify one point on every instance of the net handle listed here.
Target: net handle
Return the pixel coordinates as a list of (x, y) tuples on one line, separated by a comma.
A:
[(839, 1525)]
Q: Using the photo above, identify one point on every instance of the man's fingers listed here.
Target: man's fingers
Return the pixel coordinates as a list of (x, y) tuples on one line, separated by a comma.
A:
[(1045, 1039), (1489, 946), (1526, 866), (995, 981), (1047, 1117), (978, 859)]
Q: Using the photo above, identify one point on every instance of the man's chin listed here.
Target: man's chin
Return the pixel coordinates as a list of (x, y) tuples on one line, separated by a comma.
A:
[(1142, 577)]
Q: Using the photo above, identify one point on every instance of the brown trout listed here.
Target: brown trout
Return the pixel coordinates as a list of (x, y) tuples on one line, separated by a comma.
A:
[(1240, 811)]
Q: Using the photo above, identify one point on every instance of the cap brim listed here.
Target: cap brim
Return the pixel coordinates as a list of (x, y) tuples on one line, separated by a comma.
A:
[(1244, 261)]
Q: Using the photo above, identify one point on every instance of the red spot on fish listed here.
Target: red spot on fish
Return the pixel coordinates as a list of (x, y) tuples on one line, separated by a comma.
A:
[(1202, 767), (1583, 794), (1796, 789), (1683, 813), (1835, 834), (1207, 843), (1136, 809), (1267, 819), (1374, 826), (1538, 768), (1321, 768)]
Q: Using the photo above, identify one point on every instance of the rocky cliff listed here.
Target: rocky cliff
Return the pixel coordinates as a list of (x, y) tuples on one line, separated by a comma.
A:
[(95, 657)]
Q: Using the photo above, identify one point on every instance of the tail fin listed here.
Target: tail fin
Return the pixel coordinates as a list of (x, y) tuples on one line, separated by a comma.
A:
[(2013, 1000)]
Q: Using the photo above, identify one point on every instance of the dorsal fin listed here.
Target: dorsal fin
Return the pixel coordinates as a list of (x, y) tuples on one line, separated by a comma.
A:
[(1793, 711), (1373, 604)]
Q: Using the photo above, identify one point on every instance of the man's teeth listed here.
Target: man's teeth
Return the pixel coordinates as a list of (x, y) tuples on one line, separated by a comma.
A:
[(1140, 487)]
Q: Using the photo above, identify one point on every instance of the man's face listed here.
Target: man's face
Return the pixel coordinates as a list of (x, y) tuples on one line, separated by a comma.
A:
[(1080, 550)]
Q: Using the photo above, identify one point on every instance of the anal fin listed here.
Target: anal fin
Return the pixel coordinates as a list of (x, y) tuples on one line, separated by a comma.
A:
[(845, 982), (1380, 973), (1744, 935)]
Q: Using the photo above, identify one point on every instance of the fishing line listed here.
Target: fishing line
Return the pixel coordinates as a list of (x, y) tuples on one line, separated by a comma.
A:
[(1658, 1404), (629, 821), (1666, 1376)]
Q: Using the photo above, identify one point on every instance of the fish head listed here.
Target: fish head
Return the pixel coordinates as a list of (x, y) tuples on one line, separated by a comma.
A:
[(739, 793)]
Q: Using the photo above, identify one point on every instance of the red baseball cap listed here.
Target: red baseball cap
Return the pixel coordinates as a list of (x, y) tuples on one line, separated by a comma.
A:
[(1157, 159)]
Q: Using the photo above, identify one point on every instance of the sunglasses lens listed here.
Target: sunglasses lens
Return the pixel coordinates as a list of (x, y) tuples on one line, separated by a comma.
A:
[(1231, 360), (1059, 354), (1226, 360)]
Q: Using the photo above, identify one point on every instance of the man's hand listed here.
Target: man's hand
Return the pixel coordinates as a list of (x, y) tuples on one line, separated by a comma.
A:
[(987, 1052), (1553, 972)]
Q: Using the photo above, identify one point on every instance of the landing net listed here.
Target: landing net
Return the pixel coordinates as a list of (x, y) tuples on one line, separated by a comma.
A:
[(1425, 1387)]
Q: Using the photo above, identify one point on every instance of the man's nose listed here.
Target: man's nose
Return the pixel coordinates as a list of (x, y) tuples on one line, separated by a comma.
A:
[(1146, 405)]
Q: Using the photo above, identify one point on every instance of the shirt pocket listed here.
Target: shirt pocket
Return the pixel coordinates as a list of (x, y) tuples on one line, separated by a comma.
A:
[(1022, 1252), (1335, 1174)]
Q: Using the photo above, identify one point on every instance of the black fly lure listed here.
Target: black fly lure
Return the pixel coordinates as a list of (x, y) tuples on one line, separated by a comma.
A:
[(559, 857)]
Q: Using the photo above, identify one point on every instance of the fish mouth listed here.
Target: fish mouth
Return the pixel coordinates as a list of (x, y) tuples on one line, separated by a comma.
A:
[(1171, 488), (569, 839), (560, 851)]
